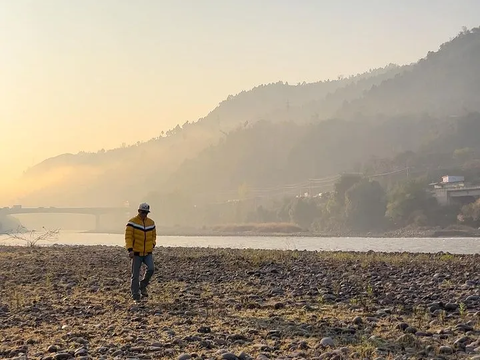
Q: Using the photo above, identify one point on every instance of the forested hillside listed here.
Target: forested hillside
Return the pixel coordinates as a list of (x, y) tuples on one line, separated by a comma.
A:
[(420, 116), (444, 83), (268, 164), (106, 177)]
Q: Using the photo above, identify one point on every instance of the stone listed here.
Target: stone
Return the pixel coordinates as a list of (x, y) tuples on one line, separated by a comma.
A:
[(357, 320), (52, 348), (244, 356), (117, 352), (102, 349), (445, 350), (204, 330), (451, 306), (62, 356), (279, 305), (410, 330), (229, 356), (81, 352), (327, 341), (262, 357), (464, 327)]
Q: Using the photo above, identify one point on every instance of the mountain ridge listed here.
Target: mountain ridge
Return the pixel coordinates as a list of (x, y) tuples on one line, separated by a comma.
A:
[(382, 93)]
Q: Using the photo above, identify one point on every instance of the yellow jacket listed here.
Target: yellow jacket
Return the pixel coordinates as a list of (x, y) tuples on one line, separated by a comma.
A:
[(140, 235)]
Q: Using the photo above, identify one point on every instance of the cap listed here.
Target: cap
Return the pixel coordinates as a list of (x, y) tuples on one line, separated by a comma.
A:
[(144, 207)]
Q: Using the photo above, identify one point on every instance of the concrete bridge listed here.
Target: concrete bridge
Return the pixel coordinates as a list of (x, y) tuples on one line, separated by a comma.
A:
[(448, 195), (95, 211)]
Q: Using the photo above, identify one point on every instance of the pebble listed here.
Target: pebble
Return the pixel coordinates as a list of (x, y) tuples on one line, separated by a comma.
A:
[(102, 349), (357, 320), (451, 306), (244, 356), (445, 350), (327, 341), (117, 353), (282, 324), (464, 327), (262, 357), (410, 330), (62, 356), (229, 356), (81, 352)]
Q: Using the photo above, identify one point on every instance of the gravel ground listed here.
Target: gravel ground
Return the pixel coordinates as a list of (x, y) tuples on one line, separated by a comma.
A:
[(65, 302)]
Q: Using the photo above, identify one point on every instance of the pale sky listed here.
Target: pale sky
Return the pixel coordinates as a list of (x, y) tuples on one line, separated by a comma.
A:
[(89, 74)]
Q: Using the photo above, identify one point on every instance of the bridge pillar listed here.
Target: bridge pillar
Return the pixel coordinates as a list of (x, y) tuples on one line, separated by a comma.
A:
[(97, 222)]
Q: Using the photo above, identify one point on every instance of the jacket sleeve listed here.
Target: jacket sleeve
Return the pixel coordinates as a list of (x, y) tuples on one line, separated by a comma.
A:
[(154, 235), (129, 237)]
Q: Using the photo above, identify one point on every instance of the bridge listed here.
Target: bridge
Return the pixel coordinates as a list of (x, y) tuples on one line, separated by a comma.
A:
[(448, 195), (95, 211)]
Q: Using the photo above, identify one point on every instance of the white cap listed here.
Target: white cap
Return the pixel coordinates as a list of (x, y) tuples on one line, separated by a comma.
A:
[(144, 207)]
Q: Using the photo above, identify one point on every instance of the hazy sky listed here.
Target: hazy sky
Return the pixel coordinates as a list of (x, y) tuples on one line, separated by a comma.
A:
[(89, 74)]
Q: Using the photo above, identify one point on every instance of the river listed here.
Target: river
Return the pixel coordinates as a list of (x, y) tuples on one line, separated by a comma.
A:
[(417, 245)]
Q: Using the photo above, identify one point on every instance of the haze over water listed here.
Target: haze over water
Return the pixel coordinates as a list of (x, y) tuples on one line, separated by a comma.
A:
[(415, 245)]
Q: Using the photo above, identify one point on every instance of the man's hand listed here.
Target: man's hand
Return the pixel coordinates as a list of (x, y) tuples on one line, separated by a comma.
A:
[(130, 254)]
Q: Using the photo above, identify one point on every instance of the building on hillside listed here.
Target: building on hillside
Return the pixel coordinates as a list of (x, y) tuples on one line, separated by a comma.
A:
[(454, 190)]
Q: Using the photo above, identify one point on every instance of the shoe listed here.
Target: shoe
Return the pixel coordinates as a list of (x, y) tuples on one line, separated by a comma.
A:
[(144, 292)]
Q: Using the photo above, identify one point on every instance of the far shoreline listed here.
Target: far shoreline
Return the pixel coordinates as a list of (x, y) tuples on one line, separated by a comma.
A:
[(402, 233)]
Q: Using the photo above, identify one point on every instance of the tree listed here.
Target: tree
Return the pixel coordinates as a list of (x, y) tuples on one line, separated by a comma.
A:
[(470, 214), (283, 212), (243, 191), (345, 182), (408, 198), (303, 212), (365, 205), (464, 154), (32, 238)]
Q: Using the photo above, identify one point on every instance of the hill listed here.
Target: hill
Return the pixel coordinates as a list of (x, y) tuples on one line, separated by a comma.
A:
[(106, 177), (9, 224), (444, 83), (274, 153), (278, 133)]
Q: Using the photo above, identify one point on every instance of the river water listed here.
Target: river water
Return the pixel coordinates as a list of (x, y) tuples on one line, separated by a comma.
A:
[(424, 245)]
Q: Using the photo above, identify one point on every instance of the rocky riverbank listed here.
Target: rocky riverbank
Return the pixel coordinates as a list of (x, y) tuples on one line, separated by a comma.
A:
[(62, 302)]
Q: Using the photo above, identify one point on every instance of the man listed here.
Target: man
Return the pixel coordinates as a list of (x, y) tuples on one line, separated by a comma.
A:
[(140, 239)]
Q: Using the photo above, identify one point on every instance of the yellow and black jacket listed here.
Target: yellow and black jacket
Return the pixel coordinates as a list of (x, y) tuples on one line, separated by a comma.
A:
[(140, 235)]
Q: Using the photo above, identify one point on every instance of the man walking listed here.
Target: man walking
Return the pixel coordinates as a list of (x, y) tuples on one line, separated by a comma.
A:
[(140, 239)]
